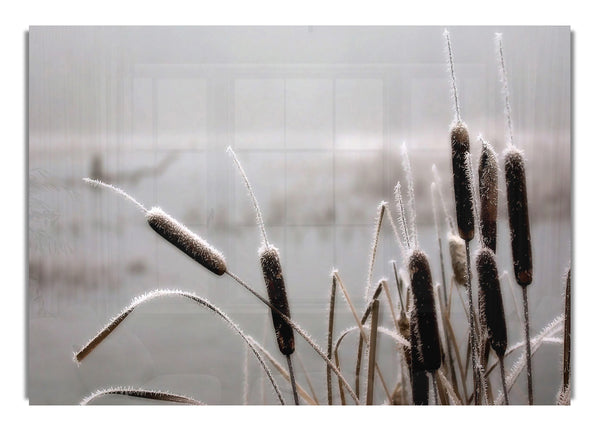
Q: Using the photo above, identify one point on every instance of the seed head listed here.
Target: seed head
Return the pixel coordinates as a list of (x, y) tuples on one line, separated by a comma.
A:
[(491, 300), (424, 307), (458, 257), (488, 194), (186, 241), (273, 275), (518, 215), (463, 195)]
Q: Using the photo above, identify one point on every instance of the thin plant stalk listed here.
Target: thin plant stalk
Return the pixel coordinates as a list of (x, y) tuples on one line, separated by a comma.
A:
[(372, 351), (285, 374), (528, 348), (472, 332), (444, 288), (435, 389), (307, 377), (292, 379), (503, 377), (330, 338), (567, 336)]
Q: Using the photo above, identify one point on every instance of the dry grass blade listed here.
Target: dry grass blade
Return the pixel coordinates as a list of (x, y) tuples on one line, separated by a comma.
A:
[(113, 323), (536, 342), (142, 393)]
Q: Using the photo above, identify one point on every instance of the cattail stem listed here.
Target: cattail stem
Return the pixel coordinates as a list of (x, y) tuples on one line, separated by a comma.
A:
[(567, 335), (435, 389), (528, 348), (372, 351), (292, 379), (474, 342), (503, 377), (330, 339)]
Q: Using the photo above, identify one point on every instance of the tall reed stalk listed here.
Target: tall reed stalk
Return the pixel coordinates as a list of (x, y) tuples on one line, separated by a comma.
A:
[(518, 213), (463, 199)]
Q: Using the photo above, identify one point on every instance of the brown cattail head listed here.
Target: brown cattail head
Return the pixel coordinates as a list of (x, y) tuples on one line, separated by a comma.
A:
[(186, 240), (273, 275), (518, 215), (458, 257), (463, 194), (488, 195), (424, 307), (491, 300), (418, 373)]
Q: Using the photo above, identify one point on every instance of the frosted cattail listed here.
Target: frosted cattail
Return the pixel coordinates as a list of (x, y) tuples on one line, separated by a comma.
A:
[(488, 194), (424, 305), (175, 232), (518, 215), (186, 241), (458, 257), (463, 196), (491, 300), (273, 275)]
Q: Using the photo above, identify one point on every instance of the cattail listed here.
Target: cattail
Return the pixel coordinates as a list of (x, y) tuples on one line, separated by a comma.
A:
[(488, 194), (186, 241), (175, 232), (458, 257), (422, 288), (273, 275), (493, 308), (463, 196), (518, 216)]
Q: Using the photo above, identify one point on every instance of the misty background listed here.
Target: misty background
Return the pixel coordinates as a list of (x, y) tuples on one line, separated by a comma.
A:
[(317, 116)]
